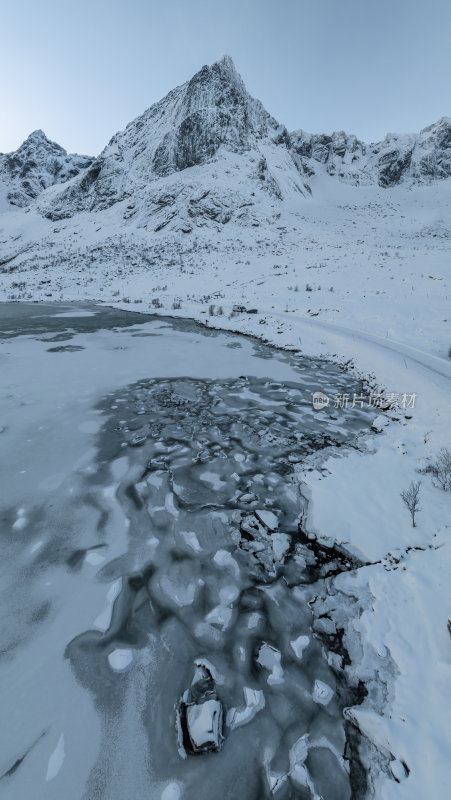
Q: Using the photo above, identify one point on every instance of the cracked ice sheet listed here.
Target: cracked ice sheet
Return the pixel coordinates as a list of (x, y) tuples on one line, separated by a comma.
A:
[(378, 360), (50, 413), (59, 391), (58, 395)]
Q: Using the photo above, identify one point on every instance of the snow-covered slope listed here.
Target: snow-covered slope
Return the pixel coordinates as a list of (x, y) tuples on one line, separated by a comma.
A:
[(35, 165), (418, 158)]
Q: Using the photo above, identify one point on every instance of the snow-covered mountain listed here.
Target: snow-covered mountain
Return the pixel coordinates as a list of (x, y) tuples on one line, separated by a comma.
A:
[(420, 158), (205, 167), (35, 165), (207, 152)]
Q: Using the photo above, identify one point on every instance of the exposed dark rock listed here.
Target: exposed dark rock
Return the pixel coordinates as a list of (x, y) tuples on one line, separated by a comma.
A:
[(392, 166)]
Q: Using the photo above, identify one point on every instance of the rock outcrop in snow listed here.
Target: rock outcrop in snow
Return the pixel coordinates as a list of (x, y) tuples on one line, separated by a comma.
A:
[(37, 164)]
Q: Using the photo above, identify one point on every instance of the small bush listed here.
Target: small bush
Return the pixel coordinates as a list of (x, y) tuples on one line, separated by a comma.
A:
[(441, 470)]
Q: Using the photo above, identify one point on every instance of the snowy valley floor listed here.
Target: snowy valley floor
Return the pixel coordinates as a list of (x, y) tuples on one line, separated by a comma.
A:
[(386, 317)]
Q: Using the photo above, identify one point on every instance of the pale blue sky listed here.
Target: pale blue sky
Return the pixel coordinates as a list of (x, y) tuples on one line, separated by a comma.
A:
[(82, 69)]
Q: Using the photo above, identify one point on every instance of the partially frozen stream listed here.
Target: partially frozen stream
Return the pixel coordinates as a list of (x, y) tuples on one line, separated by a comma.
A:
[(154, 564)]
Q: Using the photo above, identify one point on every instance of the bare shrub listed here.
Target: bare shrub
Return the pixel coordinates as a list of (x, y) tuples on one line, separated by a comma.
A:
[(441, 470), (411, 499)]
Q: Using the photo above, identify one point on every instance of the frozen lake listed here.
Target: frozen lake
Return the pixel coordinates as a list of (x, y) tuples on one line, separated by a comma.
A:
[(156, 639)]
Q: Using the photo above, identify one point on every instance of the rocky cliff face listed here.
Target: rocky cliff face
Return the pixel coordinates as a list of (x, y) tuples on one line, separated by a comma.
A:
[(420, 158), (213, 109), (37, 164), (206, 139)]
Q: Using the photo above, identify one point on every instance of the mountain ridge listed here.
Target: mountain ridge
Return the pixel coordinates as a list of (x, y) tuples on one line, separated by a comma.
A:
[(422, 156), (189, 127)]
